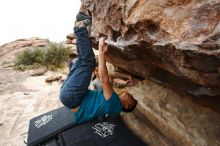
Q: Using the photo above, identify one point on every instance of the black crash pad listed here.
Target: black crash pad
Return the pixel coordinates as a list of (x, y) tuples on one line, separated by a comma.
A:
[(56, 128), (49, 125), (111, 132), (51, 143)]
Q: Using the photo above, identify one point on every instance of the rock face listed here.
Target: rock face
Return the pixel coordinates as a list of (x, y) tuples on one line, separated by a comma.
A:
[(164, 118), (9, 50), (174, 43)]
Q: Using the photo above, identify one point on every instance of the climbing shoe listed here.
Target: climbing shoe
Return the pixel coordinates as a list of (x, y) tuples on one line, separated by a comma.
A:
[(87, 20)]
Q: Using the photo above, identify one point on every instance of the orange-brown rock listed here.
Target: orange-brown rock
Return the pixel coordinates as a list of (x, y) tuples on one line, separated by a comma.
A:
[(171, 44), (39, 72), (71, 38), (53, 78), (174, 43)]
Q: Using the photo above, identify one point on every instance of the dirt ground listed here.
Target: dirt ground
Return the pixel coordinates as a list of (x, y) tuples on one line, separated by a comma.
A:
[(23, 97)]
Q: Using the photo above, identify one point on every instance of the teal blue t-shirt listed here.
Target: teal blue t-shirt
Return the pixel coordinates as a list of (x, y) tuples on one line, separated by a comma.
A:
[(94, 105)]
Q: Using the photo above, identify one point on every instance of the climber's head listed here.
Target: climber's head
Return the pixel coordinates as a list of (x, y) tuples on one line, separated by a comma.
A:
[(128, 102)]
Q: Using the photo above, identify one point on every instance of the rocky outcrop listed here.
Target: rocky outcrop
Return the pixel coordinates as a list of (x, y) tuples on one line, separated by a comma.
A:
[(164, 118), (70, 39), (175, 47), (9, 50), (174, 43)]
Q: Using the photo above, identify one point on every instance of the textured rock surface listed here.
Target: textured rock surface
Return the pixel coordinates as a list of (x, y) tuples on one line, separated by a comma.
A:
[(163, 117), (39, 72), (175, 43), (53, 78), (69, 38)]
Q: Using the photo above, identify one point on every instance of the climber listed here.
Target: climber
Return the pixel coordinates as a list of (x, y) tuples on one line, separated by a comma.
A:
[(117, 79), (74, 94)]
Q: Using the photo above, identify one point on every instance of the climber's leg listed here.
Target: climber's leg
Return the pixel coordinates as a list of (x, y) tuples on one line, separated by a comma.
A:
[(79, 77)]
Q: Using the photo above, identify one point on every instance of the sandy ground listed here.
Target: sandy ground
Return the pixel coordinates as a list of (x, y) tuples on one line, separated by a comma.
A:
[(23, 97)]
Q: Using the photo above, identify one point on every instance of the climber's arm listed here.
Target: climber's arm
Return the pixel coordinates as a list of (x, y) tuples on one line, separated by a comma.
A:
[(103, 71)]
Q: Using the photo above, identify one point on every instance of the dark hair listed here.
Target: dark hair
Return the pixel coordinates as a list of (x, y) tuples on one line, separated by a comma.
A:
[(127, 110)]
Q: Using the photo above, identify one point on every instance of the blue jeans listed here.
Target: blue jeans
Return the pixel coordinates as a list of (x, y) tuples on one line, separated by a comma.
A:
[(76, 85)]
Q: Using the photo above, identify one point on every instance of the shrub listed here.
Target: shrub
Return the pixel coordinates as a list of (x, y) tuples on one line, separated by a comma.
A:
[(53, 57), (56, 55), (30, 56)]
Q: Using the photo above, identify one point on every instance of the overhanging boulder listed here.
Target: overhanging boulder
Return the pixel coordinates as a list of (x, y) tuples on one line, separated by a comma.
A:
[(175, 43)]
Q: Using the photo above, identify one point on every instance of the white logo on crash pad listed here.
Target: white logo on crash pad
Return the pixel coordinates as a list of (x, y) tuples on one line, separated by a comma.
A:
[(104, 129), (43, 121)]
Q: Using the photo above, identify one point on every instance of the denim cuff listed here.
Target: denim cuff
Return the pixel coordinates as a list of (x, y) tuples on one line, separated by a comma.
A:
[(82, 29)]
